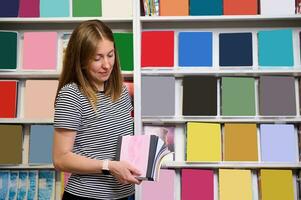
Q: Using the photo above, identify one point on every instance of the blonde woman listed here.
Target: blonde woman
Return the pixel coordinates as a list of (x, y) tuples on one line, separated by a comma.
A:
[(92, 109)]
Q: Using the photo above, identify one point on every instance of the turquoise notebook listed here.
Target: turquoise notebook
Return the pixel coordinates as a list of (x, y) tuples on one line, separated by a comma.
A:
[(275, 48), (54, 8), (206, 7)]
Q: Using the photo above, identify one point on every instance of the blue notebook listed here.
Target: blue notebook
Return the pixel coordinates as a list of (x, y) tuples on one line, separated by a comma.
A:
[(40, 145), (9, 8), (4, 184), (278, 143), (275, 48), (54, 8), (22, 185), (235, 49), (46, 184), (33, 177), (206, 7), (195, 49), (13, 185)]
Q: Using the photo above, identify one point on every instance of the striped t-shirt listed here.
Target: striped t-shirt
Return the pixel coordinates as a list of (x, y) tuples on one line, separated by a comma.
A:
[(96, 137)]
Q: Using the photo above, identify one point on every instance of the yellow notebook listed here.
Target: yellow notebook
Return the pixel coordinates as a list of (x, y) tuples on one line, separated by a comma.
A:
[(235, 184), (240, 142), (203, 142), (276, 184)]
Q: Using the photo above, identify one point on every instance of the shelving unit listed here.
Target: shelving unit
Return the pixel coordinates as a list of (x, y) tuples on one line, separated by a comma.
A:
[(216, 25), (62, 26)]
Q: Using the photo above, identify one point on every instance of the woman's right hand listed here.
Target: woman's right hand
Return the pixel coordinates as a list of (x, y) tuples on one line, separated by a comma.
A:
[(124, 172)]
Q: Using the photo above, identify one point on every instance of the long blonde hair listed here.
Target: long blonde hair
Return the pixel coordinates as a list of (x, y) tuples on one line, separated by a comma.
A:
[(80, 51)]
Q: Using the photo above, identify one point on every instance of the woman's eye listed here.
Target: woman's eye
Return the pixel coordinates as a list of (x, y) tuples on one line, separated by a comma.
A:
[(110, 55)]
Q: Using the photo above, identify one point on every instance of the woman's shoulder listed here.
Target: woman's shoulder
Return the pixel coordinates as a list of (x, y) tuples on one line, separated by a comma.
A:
[(70, 88)]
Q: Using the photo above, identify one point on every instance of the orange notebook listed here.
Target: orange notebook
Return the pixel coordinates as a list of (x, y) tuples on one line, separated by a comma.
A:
[(174, 7), (240, 142), (240, 7)]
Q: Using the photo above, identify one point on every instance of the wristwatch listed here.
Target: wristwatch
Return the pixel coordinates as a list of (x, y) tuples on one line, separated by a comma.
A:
[(105, 167)]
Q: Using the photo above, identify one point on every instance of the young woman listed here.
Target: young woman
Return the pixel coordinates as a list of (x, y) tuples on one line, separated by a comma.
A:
[(92, 109)]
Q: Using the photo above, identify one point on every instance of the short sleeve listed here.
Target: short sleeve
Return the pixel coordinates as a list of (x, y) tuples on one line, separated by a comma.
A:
[(128, 99), (68, 110)]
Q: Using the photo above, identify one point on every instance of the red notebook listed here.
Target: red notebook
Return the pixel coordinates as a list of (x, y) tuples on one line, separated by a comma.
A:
[(240, 7), (8, 98), (197, 184), (157, 49)]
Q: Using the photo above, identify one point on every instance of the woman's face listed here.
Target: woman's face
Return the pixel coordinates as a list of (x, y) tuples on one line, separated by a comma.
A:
[(102, 63)]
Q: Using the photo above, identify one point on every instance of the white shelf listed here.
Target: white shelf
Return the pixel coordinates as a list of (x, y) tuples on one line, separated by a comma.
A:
[(218, 18), (237, 165), (224, 71), (43, 74), (181, 120), (61, 19), (23, 166), (25, 121)]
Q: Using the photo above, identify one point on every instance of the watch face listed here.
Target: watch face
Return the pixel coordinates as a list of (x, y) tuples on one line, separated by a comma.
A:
[(106, 172)]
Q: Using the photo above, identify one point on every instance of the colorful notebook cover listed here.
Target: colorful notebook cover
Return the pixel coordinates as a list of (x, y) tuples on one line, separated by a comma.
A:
[(240, 7), (206, 7), (157, 96), (4, 184), (277, 8), (124, 46), (196, 184), (235, 184), (174, 8), (195, 49), (13, 185), (144, 152), (29, 8), (157, 49), (40, 50), (83, 8), (164, 187), (8, 50), (278, 143), (8, 102), (43, 106), (11, 144), (166, 133), (276, 184), (22, 185), (275, 48), (240, 142), (54, 8), (117, 8), (238, 96), (40, 144), (203, 142), (9, 8), (199, 96), (277, 96), (46, 189), (235, 49), (33, 178)]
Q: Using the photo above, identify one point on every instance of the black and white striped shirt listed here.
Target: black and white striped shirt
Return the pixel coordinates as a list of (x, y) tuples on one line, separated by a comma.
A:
[(97, 134)]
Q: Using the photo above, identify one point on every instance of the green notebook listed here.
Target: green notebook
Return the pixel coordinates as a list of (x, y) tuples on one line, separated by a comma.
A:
[(84, 8), (238, 96), (8, 50), (124, 45)]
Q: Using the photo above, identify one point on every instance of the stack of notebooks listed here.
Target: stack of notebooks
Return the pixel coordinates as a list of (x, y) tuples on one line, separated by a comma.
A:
[(144, 152)]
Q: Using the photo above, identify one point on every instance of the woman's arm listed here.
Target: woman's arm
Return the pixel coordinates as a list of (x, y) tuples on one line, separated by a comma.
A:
[(65, 160)]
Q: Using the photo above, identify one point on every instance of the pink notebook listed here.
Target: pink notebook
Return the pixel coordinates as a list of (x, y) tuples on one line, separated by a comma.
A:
[(132, 148), (29, 8), (164, 188), (40, 51), (197, 184)]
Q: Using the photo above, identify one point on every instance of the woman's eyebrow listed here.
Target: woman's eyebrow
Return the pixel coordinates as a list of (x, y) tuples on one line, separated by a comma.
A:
[(107, 53)]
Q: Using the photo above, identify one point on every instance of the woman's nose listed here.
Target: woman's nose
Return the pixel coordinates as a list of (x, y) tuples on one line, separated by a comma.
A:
[(106, 63)]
